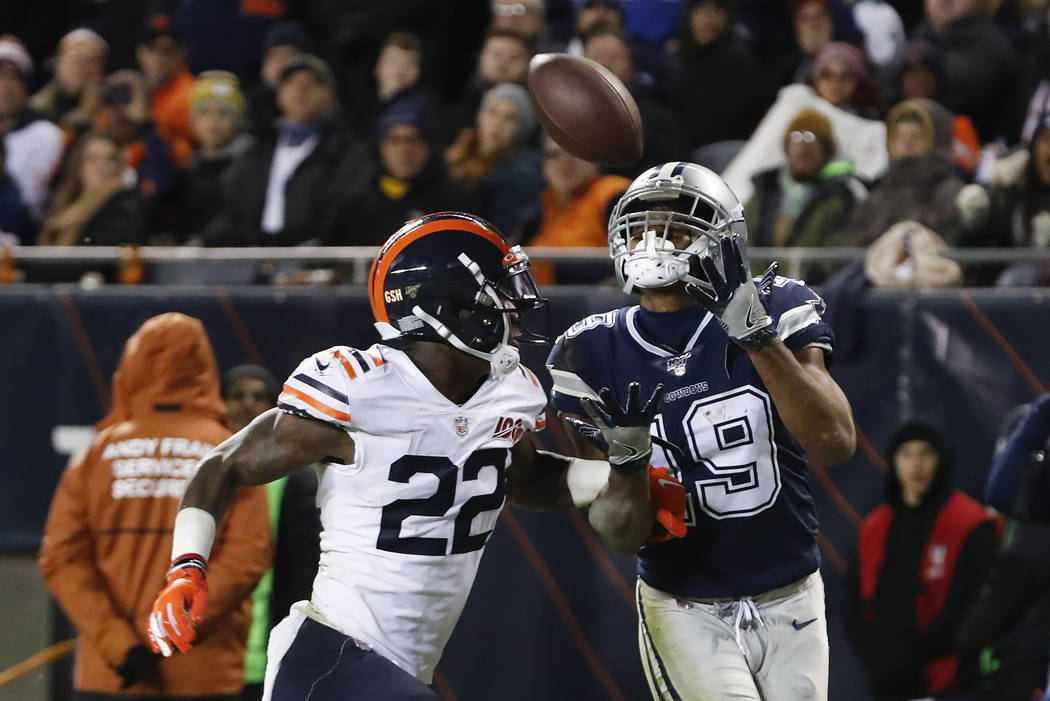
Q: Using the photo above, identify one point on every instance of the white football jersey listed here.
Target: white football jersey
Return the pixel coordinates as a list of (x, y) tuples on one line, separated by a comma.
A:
[(404, 526)]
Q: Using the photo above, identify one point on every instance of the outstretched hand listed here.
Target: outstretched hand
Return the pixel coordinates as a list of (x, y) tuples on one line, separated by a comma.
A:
[(734, 299), (625, 430)]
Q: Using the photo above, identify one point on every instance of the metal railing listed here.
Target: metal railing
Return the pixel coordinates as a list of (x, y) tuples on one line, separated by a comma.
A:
[(359, 258)]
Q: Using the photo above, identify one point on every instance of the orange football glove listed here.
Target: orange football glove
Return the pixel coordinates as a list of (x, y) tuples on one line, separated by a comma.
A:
[(178, 607), (668, 497)]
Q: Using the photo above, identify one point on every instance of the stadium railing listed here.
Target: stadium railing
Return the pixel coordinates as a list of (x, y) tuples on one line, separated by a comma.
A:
[(357, 259)]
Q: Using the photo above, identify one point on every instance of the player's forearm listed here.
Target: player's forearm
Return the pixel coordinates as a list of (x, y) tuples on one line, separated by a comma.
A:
[(811, 405), (623, 513)]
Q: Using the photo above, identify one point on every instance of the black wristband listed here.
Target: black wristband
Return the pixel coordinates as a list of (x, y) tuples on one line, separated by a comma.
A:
[(758, 339)]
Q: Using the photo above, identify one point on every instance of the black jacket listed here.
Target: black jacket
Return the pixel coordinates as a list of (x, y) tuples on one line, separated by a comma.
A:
[(316, 195), (982, 75), (376, 216)]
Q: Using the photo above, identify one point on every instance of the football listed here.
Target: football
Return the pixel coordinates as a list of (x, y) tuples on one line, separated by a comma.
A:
[(586, 109)]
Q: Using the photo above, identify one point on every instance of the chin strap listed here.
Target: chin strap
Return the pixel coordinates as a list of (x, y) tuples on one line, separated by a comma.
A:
[(503, 358)]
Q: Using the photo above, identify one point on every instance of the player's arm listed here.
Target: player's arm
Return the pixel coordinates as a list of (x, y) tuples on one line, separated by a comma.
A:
[(538, 479), (622, 510), (275, 444), (810, 403)]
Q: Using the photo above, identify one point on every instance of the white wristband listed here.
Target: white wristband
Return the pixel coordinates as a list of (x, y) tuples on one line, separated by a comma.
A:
[(194, 533), (585, 479)]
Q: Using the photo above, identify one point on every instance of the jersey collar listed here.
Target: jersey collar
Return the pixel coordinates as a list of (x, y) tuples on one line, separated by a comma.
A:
[(661, 350)]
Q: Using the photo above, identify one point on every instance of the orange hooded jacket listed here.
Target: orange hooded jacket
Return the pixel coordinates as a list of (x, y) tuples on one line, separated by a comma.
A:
[(107, 542)]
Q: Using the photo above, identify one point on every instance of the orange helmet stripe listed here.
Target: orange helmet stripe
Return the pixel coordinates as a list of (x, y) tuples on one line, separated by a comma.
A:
[(387, 256)]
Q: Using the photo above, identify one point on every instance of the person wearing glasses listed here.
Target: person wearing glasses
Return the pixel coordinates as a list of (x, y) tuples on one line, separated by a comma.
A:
[(809, 199), (842, 77)]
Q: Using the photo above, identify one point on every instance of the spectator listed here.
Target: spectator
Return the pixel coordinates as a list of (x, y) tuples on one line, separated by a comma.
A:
[(575, 211), (108, 537), (125, 117), (919, 184), (1020, 205), (292, 187), (411, 180), (494, 161), (663, 136), (841, 76), (920, 561), (919, 74), (162, 58), (713, 62), (591, 16), (1036, 80), (981, 69), (1009, 622), (249, 390), (396, 74), (809, 200), (217, 112), (16, 224), (281, 43), (71, 99), (33, 144), (504, 58), (93, 205), (526, 18), (814, 30)]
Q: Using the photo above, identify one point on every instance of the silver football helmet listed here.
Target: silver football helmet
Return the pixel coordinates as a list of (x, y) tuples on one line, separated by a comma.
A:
[(668, 218)]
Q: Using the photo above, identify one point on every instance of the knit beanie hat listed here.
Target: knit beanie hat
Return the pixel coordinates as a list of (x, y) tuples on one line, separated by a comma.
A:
[(814, 121), (217, 88), (848, 54), (519, 97)]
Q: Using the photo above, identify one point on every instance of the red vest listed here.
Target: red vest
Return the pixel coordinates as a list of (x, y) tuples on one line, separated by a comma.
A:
[(957, 519)]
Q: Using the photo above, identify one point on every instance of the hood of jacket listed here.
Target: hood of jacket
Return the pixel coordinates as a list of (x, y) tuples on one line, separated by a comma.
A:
[(941, 488), (168, 365)]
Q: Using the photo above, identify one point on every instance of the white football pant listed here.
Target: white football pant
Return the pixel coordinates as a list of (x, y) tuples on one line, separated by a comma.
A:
[(771, 647)]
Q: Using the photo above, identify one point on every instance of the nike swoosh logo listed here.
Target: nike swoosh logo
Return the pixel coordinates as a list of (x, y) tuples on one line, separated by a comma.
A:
[(799, 626), (751, 320), (320, 367), (633, 452), (669, 483)]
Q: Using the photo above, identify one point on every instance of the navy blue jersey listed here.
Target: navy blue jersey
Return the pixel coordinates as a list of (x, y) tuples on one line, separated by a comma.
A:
[(752, 523)]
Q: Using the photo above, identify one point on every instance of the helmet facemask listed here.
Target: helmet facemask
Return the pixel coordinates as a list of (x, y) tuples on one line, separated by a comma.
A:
[(659, 232), (481, 325)]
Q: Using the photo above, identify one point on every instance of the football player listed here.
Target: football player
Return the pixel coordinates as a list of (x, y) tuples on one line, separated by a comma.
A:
[(421, 437), (740, 395)]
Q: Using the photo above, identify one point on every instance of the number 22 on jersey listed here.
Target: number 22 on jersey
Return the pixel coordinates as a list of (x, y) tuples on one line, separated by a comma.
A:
[(393, 525)]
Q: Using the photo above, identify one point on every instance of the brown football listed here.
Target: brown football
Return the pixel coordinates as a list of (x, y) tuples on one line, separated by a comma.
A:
[(585, 109)]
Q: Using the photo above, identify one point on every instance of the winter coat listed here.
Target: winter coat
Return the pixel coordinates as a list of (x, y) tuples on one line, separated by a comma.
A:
[(822, 221), (981, 74), (917, 571), (108, 538), (377, 216), (316, 195), (202, 200), (917, 188), (719, 90)]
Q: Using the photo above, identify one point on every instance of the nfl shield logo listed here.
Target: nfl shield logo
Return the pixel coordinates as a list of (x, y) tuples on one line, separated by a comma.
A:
[(461, 425), (676, 365)]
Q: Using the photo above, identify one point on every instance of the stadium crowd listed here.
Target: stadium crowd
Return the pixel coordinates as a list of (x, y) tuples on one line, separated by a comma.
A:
[(273, 123)]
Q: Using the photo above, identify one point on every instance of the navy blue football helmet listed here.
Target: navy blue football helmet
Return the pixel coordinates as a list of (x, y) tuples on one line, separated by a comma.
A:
[(450, 277)]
